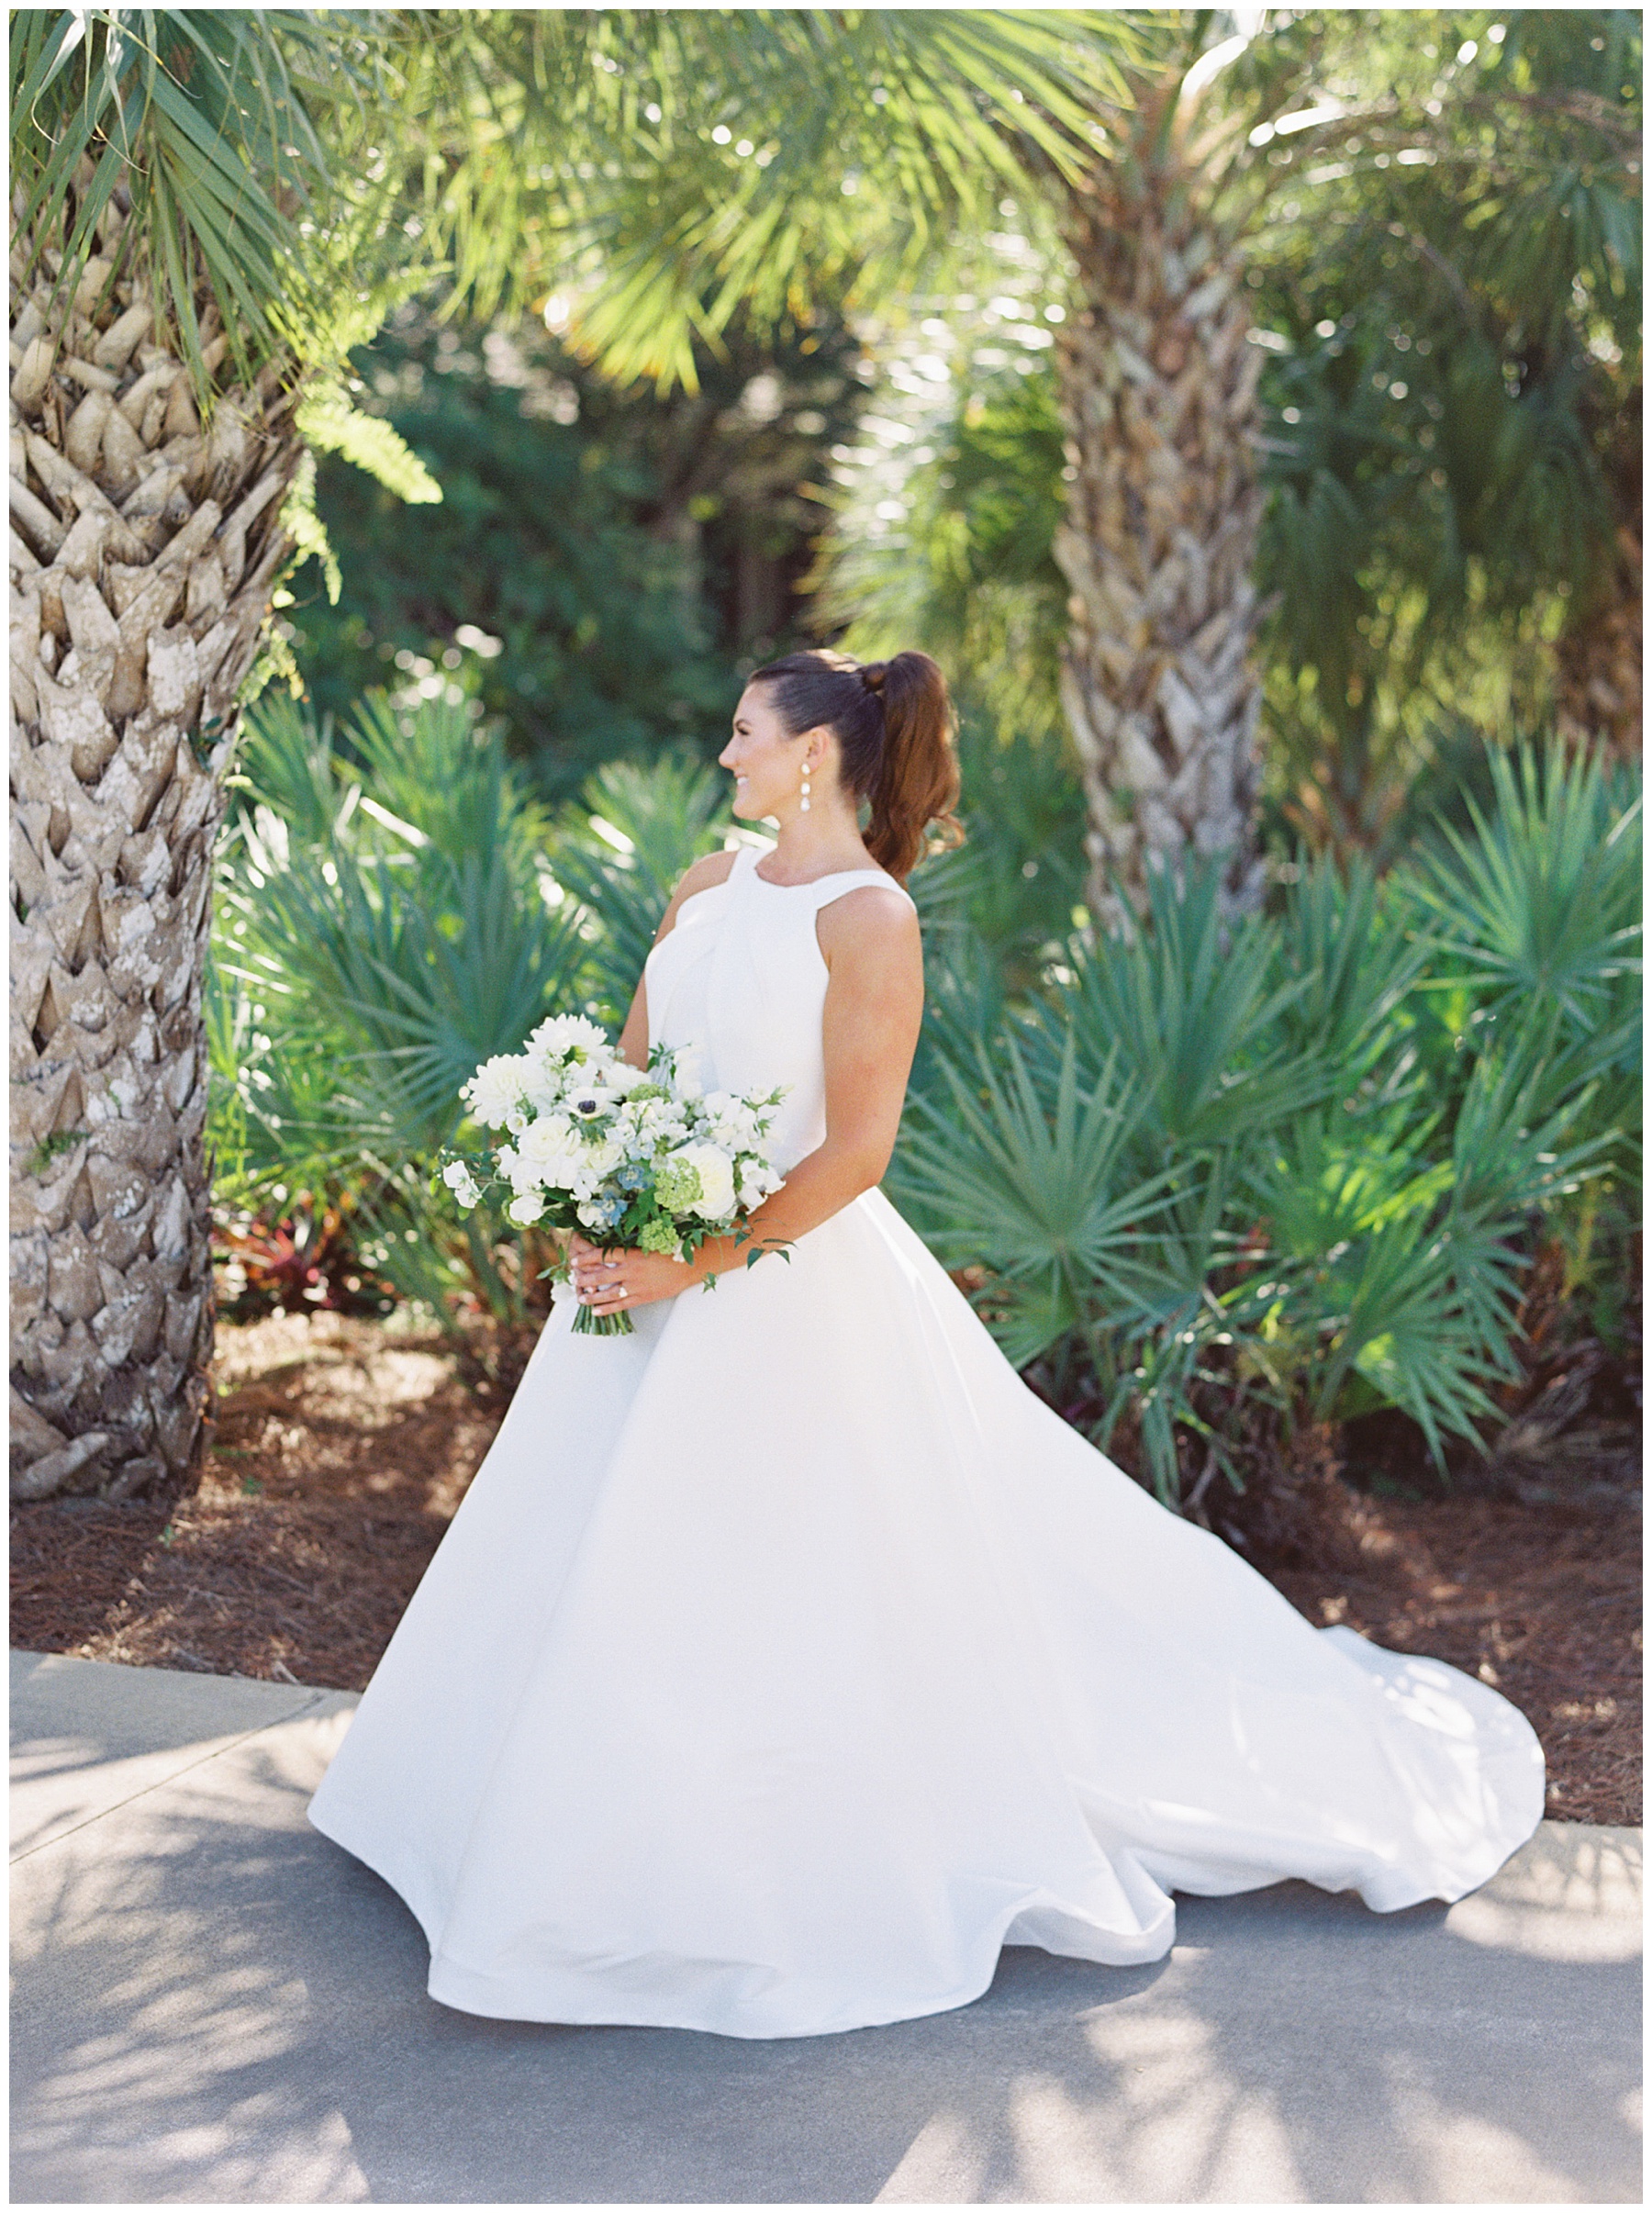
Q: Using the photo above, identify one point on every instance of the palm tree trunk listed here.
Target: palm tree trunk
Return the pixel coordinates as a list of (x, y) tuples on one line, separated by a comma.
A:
[(1158, 388), (143, 555), (1598, 664)]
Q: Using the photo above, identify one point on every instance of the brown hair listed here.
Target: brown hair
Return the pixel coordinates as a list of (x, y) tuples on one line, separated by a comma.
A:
[(897, 728)]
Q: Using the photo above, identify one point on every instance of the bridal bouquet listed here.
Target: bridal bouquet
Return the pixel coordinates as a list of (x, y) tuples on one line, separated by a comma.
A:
[(631, 1157)]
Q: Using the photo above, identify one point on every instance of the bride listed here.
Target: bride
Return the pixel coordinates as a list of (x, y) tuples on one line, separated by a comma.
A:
[(788, 1656)]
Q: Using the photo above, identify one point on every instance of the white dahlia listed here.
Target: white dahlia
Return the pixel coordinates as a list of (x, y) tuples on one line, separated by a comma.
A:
[(495, 1092)]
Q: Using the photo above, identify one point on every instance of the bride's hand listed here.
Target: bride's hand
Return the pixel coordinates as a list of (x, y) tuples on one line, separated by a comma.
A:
[(625, 1276)]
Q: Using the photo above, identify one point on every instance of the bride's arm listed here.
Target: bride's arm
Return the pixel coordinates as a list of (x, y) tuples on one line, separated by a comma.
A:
[(874, 1009)]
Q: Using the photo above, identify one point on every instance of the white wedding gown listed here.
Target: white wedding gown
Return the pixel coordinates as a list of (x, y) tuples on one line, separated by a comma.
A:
[(786, 1659)]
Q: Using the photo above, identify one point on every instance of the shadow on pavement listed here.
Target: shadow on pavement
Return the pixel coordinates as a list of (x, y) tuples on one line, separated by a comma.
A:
[(214, 2002)]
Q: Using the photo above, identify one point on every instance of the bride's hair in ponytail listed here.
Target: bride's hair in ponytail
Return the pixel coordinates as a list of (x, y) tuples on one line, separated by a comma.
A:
[(897, 728)]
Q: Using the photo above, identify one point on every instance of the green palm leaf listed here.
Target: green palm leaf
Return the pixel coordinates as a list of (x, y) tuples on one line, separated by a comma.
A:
[(1046, 1198), (875, 136), (197, 116), (1196, 1008), (1543, 898)]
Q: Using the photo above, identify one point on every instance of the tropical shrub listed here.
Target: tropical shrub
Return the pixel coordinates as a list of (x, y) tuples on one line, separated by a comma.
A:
[(1207, 1182), (385, 921), (621, 849), (1290, 1167)]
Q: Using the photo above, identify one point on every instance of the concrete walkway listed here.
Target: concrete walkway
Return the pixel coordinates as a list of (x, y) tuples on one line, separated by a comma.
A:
[(214, 2003)]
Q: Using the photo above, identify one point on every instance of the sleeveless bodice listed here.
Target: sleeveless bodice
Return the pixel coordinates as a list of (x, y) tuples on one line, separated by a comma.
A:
[(738, 984)]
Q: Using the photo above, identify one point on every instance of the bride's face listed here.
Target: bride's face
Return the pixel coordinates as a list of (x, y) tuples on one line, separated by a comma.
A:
[(767, 764)]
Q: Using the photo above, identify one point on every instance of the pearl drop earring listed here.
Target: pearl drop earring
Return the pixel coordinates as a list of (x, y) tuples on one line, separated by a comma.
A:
[(805, 807)]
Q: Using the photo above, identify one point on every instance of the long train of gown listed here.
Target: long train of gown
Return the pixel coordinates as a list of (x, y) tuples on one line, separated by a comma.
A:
[(787, 1658)]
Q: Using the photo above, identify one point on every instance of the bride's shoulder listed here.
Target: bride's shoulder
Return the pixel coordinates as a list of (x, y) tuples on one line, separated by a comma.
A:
[(891, 897), (710, 868), (870, 921)]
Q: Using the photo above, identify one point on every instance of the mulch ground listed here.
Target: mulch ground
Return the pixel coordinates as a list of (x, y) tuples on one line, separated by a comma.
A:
[(343, 1446), (1541, 1599)]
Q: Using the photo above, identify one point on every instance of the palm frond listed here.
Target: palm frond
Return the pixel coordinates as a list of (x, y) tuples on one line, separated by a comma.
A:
[(190, 128), (1196, 1012), (869, 137), (1542, 899)]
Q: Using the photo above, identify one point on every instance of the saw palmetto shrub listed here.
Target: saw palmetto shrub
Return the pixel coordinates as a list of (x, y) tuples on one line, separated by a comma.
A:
[(1223, 1177)]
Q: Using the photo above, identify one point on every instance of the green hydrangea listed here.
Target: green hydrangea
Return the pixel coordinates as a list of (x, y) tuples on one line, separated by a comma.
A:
[(658, 1236), (677, 1185)]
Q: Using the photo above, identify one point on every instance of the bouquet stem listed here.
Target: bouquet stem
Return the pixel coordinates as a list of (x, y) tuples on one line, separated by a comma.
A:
[(588, 1323)]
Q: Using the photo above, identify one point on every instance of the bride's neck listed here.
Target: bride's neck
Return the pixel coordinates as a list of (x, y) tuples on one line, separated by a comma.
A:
[(804, 849)]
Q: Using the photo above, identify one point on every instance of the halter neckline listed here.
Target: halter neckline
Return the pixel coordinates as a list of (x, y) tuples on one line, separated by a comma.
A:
[(871, 869)]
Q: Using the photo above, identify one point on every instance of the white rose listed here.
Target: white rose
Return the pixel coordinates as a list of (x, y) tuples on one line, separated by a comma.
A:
[(527, 1206), (543, 1151), (539, 1138)]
